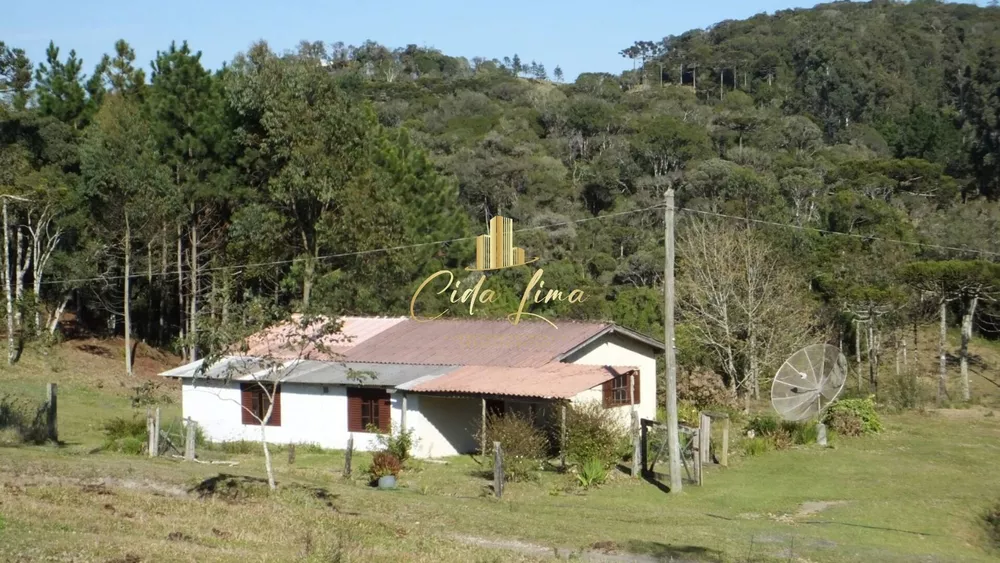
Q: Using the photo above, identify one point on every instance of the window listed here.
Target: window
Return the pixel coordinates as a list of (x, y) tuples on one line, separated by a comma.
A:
[(367, 407), (254, 401), (616, 391)]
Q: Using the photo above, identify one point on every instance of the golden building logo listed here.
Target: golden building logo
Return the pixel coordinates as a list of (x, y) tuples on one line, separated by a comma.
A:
[(495, 250)]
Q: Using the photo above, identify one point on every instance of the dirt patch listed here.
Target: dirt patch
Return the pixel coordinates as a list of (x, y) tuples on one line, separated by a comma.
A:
[(599, 552), (129, 558), (815, 507), (99, 486), (232, 488)]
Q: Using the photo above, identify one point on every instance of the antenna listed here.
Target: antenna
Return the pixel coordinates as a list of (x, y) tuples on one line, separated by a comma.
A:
[(808, 382)]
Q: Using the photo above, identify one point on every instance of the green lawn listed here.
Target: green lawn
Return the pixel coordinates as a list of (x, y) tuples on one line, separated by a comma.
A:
[(916, 492)]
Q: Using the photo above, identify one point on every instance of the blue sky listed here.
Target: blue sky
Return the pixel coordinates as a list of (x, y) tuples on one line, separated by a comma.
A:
[(580, 36)]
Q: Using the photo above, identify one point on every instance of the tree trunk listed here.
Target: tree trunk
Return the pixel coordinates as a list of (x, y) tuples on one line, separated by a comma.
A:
[(7, 286), (21, 258), (149, 292), (193, 315), (871, 356), (128, 303), (180, 293), (967, 317), (267, 457), (58, 313), (754, 367), (942, 346), (163, 288), (307, 280), (225, 296)]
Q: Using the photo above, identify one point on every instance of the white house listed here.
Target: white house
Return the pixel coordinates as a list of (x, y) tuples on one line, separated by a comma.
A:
[(436, 378)]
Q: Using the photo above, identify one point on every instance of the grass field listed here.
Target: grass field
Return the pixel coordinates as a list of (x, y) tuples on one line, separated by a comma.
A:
[(915, 493)]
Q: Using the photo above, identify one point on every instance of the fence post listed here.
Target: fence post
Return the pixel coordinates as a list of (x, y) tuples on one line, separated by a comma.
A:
[(189, 439), (50, 412), (150, 433), (636, 444), (562, 437), (497, 469), (725, 443), (154, 440), (643, 447), (696, 450), (291, 454), (347, 455), (705, 436)]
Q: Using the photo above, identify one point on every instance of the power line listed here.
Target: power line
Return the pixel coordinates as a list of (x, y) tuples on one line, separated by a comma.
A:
[(356, 253), (838, 233)]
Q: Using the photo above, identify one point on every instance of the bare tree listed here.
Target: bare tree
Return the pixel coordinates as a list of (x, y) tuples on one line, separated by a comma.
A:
[(744, 305), (265, 358)]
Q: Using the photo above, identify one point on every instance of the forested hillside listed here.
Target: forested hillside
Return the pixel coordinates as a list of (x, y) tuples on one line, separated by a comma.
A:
[(861, 140)]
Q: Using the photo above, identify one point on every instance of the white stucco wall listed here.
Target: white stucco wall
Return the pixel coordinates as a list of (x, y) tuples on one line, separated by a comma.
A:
[(442, 426), (616, 350), (308, 415)]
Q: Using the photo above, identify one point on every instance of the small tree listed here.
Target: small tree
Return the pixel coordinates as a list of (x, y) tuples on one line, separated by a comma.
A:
[(266, 354)]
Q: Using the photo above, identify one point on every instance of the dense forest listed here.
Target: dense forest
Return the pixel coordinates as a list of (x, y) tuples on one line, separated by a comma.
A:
[(837, 170)]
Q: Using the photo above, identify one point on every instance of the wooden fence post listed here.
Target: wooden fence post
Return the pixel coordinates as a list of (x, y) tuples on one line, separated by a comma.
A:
[(497, 469), (562, 437), (636, 444), (291, 454), (696, 451), (156, 433), (150, 433), (643, 446), (705, 437), (347, 455), (725, 443), (50, 412), (189, 439)]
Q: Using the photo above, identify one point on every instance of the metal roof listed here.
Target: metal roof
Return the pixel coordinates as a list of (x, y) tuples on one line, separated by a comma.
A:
[(291, 341), (474, 342), (552, 381), (362, 374)]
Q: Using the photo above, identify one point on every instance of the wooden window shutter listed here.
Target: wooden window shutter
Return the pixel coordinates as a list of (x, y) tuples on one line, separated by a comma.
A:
[(384, 412), (607, 392), (276, 411), (354, 410), (246, 404)]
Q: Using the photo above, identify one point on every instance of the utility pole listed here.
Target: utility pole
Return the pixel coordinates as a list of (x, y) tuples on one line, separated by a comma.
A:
[(673, 443)]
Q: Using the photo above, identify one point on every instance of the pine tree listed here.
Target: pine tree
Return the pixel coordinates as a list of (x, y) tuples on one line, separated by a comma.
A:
[(15, 76), (58, 88), (558, 73)]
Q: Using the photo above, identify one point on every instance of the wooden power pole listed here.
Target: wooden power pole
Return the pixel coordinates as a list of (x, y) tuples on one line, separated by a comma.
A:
[(673, 442)]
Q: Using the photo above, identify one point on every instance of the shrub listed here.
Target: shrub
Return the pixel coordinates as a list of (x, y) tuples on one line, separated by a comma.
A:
[(23, 423), (384, 464), (593, 433), (704, 388), (763, 425), (238, 447), (991, 520), (523, 444), (853, 417), (125, 435), (904, 391), (756, 446), (804, 433), (591, 473), (398, 443)]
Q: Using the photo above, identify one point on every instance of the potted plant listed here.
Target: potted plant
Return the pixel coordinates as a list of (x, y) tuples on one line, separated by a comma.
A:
[(384, 469)]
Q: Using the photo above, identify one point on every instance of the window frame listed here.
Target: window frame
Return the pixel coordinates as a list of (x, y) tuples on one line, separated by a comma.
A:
[(620, 384)]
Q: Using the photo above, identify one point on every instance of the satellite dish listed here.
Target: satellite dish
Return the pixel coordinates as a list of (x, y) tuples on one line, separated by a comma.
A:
[(808, 382)]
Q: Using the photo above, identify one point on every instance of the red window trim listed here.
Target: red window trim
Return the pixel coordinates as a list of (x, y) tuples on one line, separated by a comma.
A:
[(360, 397), (609, 387), (253, 402)]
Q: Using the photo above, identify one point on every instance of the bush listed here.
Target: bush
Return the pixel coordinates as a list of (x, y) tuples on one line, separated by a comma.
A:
[(238, 447), (704, 388), (593, 433), (591, 473), (125, 435), (804, 433), (991, 520), (904, 391), (523, 444), (398, 443), (756, 446), (853, 417), (23, 424), (384, 464), (763, 425)]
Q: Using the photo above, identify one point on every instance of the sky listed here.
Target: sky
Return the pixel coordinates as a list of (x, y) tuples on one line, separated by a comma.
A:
[(579, 36)]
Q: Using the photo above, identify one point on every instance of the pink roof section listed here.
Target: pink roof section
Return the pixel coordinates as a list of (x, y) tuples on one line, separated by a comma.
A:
[(474, 342), (552, 381), (291, 340)]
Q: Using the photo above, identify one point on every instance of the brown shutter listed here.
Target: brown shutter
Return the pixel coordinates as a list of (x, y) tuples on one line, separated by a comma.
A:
[(276, 411), (354, 410), (246, 404), (607, 393), (384, 412)]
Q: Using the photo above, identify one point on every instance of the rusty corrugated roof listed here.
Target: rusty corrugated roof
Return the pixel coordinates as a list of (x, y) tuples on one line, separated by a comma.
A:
[(552, 381), (473, 342), (291, 340)]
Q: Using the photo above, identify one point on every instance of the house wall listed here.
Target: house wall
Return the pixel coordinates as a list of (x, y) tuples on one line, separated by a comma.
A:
[(442, 426), (617, 350), (308, 415)]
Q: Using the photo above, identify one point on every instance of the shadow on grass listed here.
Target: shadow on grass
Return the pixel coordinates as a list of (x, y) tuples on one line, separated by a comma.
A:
[(669, 552), (231, 488)]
